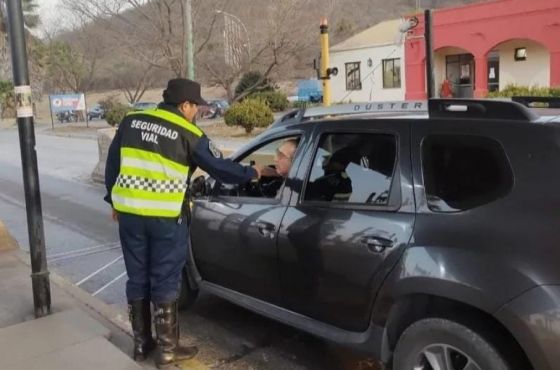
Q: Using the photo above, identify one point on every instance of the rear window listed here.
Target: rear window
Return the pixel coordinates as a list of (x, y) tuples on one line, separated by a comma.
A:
[(464, 171)]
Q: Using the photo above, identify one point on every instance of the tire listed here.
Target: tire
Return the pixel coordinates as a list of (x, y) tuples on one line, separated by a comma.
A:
[(187, 295), (428, 338)]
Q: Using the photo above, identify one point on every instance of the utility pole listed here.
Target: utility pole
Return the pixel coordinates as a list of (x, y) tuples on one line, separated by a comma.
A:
[(324, 71), (190, 40), (430, 83), (24, 106)]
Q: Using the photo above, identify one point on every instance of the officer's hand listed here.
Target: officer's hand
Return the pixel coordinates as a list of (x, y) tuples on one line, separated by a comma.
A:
[(259, 169), (115, 216), (268, 171)]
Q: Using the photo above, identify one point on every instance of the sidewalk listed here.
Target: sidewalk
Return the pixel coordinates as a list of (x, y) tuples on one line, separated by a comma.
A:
[(81, 333)]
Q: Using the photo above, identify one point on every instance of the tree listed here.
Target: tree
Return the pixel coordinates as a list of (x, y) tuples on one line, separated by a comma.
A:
[(133, 79), (31, 21), (71, 65), (276, 43), (151, 32)]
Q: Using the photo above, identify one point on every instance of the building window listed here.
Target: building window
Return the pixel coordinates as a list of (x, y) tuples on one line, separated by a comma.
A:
[(353, 80), (520, 54), (391, 73)]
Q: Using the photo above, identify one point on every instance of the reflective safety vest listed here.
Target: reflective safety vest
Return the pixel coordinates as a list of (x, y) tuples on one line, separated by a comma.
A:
[(154, 165)]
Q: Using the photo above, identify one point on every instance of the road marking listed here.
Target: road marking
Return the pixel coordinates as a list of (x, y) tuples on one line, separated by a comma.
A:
[(83, 252), (108, 284), (98, 271)]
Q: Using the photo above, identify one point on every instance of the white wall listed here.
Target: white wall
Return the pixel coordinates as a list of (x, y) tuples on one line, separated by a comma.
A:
[(533, 71), (372, 77)]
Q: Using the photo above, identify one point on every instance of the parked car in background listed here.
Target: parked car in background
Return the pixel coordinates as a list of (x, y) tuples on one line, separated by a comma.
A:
[(96, 112), (67, 116), (215, 109), (143, 105)]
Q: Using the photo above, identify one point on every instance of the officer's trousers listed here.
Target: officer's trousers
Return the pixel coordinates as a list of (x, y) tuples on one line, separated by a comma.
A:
[(155, 252)]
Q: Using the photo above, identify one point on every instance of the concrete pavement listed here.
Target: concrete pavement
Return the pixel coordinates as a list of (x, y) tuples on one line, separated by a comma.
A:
[(82, 331)]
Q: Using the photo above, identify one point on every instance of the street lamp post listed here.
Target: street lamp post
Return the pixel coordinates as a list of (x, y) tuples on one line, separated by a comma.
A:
[(24, 108)]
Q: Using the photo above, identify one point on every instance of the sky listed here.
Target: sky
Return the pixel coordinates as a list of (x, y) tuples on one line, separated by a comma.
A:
[(48, 14)]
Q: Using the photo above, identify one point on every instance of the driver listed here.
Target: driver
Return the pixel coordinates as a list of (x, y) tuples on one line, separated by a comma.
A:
[(283, 162)]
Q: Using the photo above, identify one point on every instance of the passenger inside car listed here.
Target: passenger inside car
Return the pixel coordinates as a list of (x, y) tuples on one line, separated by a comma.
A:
[(335, 184)]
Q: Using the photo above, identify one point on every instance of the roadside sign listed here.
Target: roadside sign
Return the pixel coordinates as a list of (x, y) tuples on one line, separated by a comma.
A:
[(66, 102)]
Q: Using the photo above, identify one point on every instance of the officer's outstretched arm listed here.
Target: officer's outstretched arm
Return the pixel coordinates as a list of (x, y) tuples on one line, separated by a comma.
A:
[(210, 159)]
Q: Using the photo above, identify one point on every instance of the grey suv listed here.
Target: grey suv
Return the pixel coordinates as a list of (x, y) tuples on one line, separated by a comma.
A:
[(430, 240)]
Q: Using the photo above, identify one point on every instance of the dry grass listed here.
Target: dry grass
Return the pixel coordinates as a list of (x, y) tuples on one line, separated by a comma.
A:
[(220, 129)]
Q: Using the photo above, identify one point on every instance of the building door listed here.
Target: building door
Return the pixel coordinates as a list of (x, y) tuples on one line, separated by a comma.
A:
[(459, 70)]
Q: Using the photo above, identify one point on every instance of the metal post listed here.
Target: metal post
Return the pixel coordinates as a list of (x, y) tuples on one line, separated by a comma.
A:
[(50, 109), (190, 40), (325, 62), (430, 87), (85, 111), (40, 274)]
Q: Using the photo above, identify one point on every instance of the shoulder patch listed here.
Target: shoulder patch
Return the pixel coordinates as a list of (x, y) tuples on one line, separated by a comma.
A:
[(214, 150)]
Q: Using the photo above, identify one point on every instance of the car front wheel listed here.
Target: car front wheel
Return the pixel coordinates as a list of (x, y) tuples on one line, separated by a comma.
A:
[(441, 344)]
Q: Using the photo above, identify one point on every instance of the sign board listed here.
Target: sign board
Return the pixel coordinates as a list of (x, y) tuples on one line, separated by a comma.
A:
[(67, 102)]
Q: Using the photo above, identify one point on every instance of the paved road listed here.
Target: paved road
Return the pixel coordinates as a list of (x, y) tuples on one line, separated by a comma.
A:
[(82, 244)]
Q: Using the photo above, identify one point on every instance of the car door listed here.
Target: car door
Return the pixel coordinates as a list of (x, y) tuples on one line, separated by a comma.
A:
[(338, 241), (234, 231)]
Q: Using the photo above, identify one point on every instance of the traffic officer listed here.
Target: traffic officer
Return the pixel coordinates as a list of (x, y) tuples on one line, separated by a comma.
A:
[(147, 170)]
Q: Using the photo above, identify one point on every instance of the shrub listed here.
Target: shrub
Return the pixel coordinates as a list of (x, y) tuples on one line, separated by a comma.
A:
[(116, 113), (515, 90), (251, 78), (108, 103), (249, 114), (276, 100), (7, 100)]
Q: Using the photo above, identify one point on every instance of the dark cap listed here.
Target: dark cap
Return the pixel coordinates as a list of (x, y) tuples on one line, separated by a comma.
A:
[(180, 90)]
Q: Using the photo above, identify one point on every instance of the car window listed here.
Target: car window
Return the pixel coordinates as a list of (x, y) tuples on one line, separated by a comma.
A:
[(352, 168), (464, 171), (278, 155)]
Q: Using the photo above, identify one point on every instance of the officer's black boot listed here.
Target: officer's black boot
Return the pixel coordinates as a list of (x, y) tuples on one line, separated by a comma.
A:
[(169, 351), (140, 319)]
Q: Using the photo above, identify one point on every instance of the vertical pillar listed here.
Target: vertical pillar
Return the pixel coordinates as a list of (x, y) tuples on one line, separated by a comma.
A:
[(555, 69), (481, 77)]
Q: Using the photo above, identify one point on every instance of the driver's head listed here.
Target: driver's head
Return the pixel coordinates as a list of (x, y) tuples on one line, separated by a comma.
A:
[(285, 156)]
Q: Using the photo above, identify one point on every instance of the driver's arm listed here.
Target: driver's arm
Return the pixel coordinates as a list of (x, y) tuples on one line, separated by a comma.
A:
[(210, 159)]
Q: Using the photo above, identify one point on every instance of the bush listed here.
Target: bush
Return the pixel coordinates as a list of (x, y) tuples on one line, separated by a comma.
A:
[(108, 103), (276, 100), (116, 113), (7, 100), (514, 90), (249, 114), (251, 78)]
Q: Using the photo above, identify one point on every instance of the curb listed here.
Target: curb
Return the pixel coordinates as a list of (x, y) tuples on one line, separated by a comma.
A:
[(117, 317), (7, 242)]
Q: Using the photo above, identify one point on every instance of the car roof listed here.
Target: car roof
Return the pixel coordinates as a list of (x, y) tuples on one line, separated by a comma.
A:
[(468, 109)]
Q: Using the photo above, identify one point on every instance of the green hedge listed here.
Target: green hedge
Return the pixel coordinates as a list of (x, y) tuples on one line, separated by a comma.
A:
[(249, 113), (515, 90), (276, 100), (116, 113)]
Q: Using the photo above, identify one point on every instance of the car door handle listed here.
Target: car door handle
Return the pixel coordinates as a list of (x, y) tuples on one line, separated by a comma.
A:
[(376, 244), (266, 229)]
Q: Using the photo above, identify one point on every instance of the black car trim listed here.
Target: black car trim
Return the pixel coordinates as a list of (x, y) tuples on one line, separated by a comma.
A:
[(370, 340)]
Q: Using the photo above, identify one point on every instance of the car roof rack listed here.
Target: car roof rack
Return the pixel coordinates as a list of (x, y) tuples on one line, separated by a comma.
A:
[(479, 109), (434, 108), (537, 101)]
